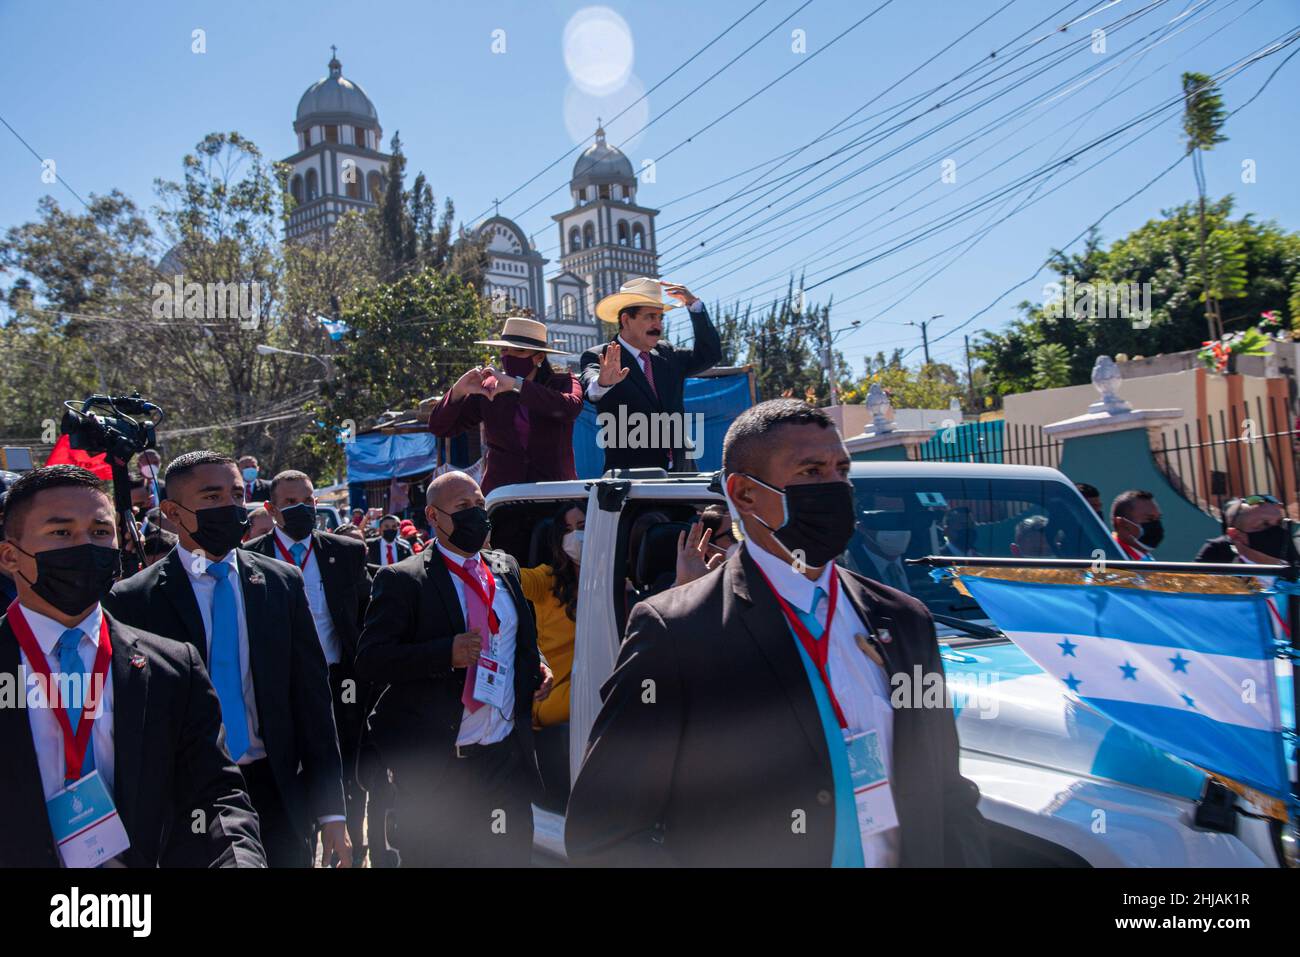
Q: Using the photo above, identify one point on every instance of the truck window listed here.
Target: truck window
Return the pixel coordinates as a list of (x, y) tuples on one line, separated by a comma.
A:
[(901, 518)]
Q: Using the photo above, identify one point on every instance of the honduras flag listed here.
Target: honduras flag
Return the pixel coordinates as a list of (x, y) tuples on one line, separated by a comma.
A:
[(335, 328), (1193, 673)]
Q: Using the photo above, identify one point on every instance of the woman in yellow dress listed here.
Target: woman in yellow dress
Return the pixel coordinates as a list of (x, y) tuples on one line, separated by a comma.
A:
[(553, 591)]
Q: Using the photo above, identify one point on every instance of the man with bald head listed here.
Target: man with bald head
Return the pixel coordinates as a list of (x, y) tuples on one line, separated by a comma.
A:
[(452, 639)]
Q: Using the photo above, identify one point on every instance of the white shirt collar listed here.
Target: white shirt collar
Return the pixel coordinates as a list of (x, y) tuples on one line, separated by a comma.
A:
[(199, 560), (636, 353), (288, 542), (459, 560), (48, 631), (792, 586)]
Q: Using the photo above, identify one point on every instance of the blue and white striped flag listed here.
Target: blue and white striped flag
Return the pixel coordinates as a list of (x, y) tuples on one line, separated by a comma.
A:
[(1189, 671), (335, 327)]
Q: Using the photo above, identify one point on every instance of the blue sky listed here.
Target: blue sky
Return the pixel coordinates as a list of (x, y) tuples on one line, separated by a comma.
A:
[(113, 93)]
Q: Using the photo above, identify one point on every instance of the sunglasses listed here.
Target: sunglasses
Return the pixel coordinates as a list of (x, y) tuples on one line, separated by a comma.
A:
[(1255, 500)]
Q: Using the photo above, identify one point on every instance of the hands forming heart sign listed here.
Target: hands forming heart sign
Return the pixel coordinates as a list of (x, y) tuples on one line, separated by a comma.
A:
[(482, 380)]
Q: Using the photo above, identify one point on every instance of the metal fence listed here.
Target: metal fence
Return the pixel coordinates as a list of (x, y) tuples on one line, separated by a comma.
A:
[(993, 442), (1247, 449)]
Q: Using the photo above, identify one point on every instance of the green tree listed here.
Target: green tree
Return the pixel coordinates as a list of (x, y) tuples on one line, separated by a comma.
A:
[(1257, 267), (1051, 366), (929, 386), (407, 339), (1203, 119), (786, 345)]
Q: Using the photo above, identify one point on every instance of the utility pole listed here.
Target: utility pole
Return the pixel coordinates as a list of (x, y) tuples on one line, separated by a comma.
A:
[(925, 336), (970, 381), (829, 361)]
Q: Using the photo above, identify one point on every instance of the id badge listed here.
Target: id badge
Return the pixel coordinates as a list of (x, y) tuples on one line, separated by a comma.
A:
[(491, 682), (871, 791), (85, 823)]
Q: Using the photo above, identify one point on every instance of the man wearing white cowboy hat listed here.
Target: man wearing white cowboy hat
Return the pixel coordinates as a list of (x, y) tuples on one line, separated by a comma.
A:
[(638, 375), (526, 408)]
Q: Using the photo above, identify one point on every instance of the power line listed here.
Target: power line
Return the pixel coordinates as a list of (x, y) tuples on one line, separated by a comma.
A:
[(749, 99), (1151, 182), (569, 152), (1065, 53)]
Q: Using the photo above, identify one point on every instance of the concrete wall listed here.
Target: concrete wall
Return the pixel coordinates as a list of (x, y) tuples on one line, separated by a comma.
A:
[(855, 419), (1175, 390), (1212, 409)]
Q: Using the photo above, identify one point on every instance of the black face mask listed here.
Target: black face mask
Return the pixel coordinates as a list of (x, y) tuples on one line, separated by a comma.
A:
[(221, 527), (1271, 541), (390, 534), (469, 528), (299, 521), (74, 578), (819, 519), (1153, 533)]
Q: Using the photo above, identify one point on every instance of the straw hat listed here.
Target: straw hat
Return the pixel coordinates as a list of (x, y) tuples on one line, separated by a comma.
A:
[(642, 291), (520, 332)]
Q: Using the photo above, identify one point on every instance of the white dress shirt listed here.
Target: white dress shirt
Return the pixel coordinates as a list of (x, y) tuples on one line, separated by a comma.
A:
[(489, 725), (859, 684), (205, 588), (320, 610), (388, 551), (47, 734), (596, 390)]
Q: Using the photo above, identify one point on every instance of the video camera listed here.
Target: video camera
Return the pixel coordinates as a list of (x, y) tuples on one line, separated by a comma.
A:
[(117, 433), (121, 427)]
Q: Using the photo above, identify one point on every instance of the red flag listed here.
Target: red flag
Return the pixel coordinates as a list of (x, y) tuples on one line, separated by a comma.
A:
[(65, 454)]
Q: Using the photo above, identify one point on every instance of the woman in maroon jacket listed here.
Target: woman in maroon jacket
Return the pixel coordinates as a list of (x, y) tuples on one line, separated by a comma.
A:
[(526, 409)]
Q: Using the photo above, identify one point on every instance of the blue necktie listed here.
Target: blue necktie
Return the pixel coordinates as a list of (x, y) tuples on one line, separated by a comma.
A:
[(69, 649), (297, 550), (847, 848), (223, 660)]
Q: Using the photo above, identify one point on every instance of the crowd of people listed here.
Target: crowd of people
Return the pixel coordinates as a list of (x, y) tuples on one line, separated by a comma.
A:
[(246, 688)]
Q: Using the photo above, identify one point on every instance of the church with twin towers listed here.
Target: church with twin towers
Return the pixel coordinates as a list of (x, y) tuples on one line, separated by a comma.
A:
[(605, 237)]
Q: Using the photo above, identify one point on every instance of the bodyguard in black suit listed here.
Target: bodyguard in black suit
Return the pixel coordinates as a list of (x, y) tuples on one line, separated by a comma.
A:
[(722, 743), (638, 376), (338, 588), (388, 548), (271, 662), (465, 771), (255, 489), (1256, 531), (157, 740)]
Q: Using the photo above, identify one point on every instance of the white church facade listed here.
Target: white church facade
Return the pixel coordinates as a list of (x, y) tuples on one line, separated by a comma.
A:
[(605, 238)]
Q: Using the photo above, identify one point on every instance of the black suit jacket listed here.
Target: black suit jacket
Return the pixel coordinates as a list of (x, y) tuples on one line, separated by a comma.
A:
[(372, 550), (406, 646), (1220, 550), (261, 491), (169, 760), (344, 575), (290, 682), (671, 367), (711, 772)]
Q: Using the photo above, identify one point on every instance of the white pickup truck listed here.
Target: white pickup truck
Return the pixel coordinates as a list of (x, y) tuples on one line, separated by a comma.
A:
[(1060, 784)]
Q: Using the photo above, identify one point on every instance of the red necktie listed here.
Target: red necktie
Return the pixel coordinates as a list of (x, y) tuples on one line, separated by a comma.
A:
[(476, 616), (649, 372), (650, 377), (391, 559)]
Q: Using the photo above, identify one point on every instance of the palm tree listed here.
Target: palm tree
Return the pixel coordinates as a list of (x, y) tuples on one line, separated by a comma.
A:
[(1203, 118)]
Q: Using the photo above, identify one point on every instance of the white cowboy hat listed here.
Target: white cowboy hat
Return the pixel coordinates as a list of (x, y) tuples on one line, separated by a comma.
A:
[(520, 332), (642, 291)]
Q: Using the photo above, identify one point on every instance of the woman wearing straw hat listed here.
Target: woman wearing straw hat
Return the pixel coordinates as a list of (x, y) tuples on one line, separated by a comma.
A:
[(526, 408), (638, 377)]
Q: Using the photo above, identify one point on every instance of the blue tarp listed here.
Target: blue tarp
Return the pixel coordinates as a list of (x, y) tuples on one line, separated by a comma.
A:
[(720, 399), (377, 456)]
